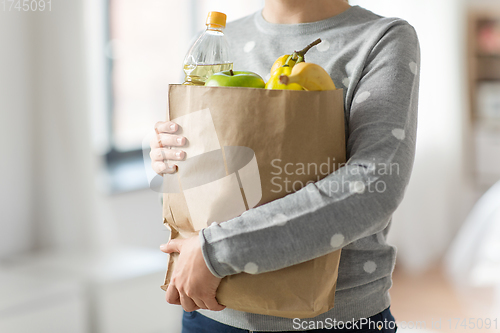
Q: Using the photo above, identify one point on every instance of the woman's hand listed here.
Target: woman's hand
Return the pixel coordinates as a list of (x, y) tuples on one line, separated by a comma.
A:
[(160, 147), (192, 285)]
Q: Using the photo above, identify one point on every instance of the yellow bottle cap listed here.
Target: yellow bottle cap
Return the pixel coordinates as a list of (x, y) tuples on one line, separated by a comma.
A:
[(216, 18)]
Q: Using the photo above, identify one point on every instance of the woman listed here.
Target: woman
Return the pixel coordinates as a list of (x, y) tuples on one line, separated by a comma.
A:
[(376, 61)]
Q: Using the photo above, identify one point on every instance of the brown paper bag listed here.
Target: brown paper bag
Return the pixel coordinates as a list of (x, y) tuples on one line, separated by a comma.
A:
[(247, 147)]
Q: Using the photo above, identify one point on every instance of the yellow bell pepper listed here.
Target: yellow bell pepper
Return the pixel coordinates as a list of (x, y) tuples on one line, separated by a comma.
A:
[(274, 80), (296, 57), (280, 62)]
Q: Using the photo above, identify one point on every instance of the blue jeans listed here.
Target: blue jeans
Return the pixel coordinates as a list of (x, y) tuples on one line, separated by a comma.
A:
[(194, 322)]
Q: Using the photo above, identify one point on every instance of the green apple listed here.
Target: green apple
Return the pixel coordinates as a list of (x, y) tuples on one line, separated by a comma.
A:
[(232, 78)]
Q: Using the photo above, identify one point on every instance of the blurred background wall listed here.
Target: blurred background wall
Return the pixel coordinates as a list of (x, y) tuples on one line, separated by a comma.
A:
[(437, 200), (80, 83)]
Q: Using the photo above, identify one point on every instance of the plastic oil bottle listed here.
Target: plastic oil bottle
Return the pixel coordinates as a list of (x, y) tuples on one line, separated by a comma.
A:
[(210, 53)]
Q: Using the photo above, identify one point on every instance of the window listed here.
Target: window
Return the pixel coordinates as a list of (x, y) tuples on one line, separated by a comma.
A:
[(146, 45)]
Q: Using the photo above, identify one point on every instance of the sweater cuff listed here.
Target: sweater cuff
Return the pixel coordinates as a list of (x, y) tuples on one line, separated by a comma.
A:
[(208, 251)]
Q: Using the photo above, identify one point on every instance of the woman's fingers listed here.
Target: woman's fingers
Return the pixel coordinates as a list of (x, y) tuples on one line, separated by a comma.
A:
[(164, 135), (199, 303), (166, 127), (167, 140), (160, 151), (162, 154), (212, 304), (162, 167), (172, 140), (164, 130), (159, 157), (187, 303), (172, 295)]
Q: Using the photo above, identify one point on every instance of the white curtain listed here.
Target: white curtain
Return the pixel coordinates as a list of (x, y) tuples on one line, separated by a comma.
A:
[(49, 197), (16, 137)]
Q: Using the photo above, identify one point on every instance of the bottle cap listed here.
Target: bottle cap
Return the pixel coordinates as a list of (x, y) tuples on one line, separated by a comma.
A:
[(217, 19)]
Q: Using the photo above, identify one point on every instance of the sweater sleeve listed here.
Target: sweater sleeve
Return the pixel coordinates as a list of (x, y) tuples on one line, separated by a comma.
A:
[(358, 199)]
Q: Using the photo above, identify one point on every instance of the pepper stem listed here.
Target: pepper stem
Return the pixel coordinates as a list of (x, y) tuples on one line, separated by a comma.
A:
[(231, 72), (301, 54), (287, 63)]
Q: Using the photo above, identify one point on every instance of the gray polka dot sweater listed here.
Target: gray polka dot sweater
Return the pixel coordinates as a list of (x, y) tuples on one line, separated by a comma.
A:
[(376, 61)]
